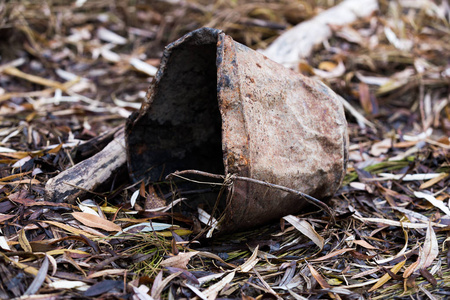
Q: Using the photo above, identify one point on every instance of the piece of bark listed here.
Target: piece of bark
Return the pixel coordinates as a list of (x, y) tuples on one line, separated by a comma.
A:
[(89, 174), (299, 42)]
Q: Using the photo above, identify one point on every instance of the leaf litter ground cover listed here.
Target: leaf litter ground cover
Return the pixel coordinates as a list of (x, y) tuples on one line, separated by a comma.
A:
[(70, 72)]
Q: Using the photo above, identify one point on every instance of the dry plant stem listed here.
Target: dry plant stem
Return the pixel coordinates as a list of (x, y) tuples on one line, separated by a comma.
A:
[(307, 197)]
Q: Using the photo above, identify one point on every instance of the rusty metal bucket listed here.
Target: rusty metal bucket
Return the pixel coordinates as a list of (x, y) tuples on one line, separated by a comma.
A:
[(220, 107)]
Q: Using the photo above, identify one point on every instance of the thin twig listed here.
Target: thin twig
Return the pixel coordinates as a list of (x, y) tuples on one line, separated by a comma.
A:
[(307, 197)]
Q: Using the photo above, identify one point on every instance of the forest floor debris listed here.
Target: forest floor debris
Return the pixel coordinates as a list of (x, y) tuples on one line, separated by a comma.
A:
[(71, 71)]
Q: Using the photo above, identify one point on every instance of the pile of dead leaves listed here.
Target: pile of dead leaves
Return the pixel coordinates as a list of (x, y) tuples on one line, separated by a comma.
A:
[(69, 72)]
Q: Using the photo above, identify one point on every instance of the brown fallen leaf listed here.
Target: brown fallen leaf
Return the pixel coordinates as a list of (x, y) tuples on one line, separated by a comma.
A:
[(71, 229), (433, 181), (91, 220), (179, 261), (364, 244), (322, 282), (334, 253), (23, 241)]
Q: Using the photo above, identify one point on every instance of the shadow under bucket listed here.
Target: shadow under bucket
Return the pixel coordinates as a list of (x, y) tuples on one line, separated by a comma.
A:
[(220, 107)]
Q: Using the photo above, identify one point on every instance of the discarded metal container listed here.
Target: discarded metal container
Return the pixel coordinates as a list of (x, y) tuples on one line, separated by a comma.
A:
[(220, 107)]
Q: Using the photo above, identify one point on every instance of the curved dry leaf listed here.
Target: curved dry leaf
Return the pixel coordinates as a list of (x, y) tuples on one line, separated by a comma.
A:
[(400, 253), (23, 241), (214, 289), (95, 221), (214, 256), (52, 260), (157, 292), (250, 263), (430, 198), (196, 291), (156, 283), (306, 228), (323, 283), (179, 261), (39, 279)]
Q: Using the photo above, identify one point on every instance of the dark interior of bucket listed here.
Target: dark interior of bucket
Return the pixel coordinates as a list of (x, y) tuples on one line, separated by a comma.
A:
[(182, 128)]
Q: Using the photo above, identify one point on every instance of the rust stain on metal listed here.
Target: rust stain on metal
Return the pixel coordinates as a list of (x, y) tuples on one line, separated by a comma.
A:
[(220, 107)]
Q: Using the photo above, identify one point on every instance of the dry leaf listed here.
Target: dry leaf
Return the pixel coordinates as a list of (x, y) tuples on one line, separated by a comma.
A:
[(23, 241), (305, 228), (61, 251), (179, 261), (409, 270), (107, 272), (430, 249), (95, 221), (23, 181), (334, 253), (133, 198), (433, 181), (407, 177), (364, 244), (71, 229), (214, 289), (430, 198), (381, 147), (323, 283), (427, 253), (14, 176), (156, 283), (110, 37), (197, 291), (143, 67), (398, 223), (364, 99), (386, 277), (156, 293), (214, 256), (141, 292), (327, 66), (250, 263), (39, 279), (56, 149), (67, 284)]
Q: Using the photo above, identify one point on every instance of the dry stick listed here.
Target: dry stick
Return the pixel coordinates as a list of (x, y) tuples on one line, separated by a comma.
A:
[(307, 197)]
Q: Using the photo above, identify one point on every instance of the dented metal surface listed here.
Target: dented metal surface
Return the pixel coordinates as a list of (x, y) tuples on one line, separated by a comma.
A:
[(221, 107)]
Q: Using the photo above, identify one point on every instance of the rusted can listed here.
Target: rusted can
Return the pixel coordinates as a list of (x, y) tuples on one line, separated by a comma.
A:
[(220, 107)]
